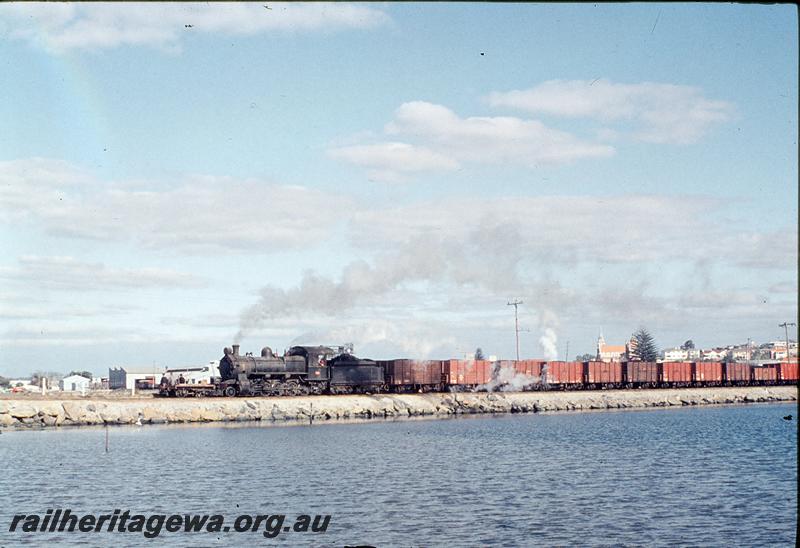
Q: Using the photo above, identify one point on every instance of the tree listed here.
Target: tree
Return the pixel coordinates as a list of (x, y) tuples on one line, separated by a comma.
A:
[(643, 346), (52, 378), (585, 358), (688, 345), (479, 354), (759, 354), (86, 374)]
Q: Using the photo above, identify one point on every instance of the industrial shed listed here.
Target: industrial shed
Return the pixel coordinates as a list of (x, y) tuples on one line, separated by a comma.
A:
[(142, 377)]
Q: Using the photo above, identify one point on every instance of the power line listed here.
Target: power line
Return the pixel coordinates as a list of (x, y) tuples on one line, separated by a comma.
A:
[(516, 304), (785, 326)]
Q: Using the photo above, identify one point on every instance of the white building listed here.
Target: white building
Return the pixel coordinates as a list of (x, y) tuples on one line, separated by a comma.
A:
[(778, 353), (676, 355), (741, 354), (74, 383), (142, 377), (714, 354)]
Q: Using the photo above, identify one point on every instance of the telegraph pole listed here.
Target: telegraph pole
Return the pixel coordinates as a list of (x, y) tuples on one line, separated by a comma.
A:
[(785, 326), (515, 304), (566, 353)]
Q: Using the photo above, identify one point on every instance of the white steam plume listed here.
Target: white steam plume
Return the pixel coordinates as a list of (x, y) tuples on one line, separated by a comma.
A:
[(548, 343), (425, 259), (508, 379)]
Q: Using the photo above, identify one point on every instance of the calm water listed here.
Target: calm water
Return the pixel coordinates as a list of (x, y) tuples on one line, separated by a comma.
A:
[(722, 476)]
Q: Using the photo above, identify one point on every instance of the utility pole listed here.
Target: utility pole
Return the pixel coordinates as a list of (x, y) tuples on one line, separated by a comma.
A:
[(785, 326), (566, 353), (516, 304)]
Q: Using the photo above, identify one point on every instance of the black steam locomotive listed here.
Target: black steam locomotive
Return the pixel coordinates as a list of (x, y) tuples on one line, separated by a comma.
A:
[(300, 371)]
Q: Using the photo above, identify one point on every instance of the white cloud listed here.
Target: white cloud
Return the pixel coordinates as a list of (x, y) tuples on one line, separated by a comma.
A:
[(447, 141), (71, 334), (73, 274), (39, 311), (60, 27), (763, 250), (199, 213), (389, 161), (494, 140), (558, 229), (663, 113)]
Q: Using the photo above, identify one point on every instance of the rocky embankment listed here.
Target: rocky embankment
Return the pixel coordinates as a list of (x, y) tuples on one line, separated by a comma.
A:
[(40, 413)]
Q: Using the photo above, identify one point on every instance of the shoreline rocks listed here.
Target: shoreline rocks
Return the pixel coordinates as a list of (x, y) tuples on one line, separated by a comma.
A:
[(28, 413)]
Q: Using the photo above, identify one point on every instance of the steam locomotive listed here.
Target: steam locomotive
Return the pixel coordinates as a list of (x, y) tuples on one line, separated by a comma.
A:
[(302, 370)]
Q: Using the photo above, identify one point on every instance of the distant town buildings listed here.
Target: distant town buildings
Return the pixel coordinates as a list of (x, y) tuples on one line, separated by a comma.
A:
[(751, 351), (775, 350)]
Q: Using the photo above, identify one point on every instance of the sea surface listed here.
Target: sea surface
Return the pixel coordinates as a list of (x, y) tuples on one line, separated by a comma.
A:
[(699, 476)]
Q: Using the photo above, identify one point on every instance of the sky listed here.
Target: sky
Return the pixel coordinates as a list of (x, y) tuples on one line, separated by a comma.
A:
[(176, 178)]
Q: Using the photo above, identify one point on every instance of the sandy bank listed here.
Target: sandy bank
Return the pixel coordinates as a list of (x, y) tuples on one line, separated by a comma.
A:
[(46, 412)]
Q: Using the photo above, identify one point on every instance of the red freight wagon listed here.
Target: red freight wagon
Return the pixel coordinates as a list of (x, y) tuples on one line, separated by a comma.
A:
[(603, 373), (677, 373), (501, 371), (565, 373), (499, 365), (412, 373), (737, 373), (513, 375), (787, 371), (467, 372), (765, 374), (708, 373), (641, 373), (532, 368)]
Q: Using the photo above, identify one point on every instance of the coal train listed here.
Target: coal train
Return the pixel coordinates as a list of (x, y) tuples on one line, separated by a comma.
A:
[(304, 370)]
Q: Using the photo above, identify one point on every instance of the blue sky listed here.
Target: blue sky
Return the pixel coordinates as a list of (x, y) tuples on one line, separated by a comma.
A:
[(391, 175)]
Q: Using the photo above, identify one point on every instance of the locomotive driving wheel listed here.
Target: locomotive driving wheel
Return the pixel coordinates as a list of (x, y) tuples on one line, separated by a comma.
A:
[(292, 388), (230, 391)]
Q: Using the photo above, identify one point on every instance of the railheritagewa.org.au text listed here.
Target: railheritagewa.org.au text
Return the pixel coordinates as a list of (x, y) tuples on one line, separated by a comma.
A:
[(152, 525)]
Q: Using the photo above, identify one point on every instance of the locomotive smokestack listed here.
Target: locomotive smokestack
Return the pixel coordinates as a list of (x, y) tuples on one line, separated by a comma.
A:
[(235, 349)]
